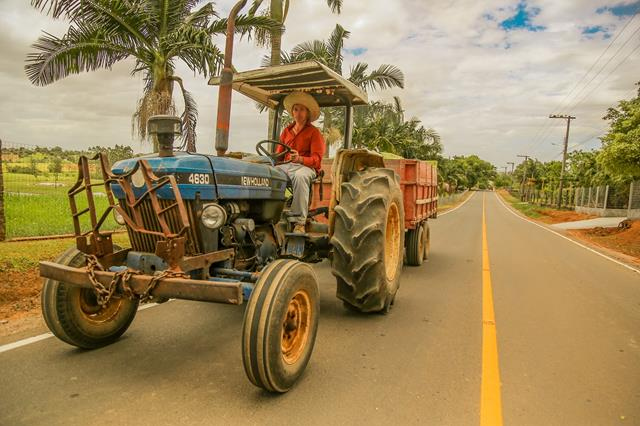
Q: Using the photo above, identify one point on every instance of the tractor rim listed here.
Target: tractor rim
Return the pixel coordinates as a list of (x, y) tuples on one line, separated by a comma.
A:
[(392, 242), (296, 327), (95, 313)]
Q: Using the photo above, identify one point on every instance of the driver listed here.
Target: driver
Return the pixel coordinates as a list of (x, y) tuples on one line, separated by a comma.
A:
[(307, 148)]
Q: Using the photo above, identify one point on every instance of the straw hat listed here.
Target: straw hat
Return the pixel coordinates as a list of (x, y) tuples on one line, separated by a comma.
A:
[(305, 100)]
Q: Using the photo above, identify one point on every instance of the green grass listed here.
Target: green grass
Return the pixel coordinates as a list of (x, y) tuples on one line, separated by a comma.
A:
[(527, 209), (24, 255), (48, 214)]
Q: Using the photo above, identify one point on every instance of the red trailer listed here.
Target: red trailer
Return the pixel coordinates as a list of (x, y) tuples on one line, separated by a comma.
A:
[(419, 184)]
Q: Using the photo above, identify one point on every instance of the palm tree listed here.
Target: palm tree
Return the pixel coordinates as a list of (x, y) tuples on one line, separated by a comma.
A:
[(156, 33), (329, 53), (381, 127), (278, 11)]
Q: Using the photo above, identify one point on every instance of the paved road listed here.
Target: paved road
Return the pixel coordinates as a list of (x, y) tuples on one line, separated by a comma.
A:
[(567, 320)]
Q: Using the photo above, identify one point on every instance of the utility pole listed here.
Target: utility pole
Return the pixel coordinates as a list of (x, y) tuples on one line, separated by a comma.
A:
[(564, 153), (524, 176), (505, 169), (512, 165)]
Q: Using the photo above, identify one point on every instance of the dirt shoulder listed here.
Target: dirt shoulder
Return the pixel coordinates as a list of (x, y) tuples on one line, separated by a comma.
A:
[(622, 242), (20, 284)]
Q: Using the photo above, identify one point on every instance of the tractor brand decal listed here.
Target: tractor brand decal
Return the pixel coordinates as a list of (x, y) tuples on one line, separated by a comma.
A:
[(255, 181)]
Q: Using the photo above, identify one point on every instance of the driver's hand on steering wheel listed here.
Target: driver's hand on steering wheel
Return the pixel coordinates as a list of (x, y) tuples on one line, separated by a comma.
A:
[(294, 156)]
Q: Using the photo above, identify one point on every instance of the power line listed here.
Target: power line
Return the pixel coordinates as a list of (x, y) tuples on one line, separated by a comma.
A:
[(598, 60), (607, 76), (543, 133)]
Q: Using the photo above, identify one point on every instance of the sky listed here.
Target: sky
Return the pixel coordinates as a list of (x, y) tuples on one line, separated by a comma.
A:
[(484, 74)]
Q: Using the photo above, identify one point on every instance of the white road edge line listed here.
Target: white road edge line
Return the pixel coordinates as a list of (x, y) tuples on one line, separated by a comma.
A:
[(457, 207), (34, 339), (566, 238)]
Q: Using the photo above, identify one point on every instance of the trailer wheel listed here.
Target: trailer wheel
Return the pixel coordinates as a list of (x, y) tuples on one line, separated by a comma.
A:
[(280, 325), (427, 240), (74, 316), (415, 246), (368, 240)]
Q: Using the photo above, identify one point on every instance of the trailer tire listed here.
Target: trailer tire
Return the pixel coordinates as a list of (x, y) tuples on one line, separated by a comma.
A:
[(73, 315), (427, 240), (368, 240), (280, 325), (415, 246)]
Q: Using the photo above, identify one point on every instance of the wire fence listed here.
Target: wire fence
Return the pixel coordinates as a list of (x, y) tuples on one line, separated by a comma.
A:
[(35, 185), (600, 199)]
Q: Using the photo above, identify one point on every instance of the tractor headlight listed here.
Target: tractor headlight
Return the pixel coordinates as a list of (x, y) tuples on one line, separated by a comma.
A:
[(118, 217), (213, 216), (137, 179)]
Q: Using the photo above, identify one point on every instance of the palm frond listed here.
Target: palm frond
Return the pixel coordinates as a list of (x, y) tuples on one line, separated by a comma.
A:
[(285, 58), (201, 16), (385, 77), (246, 25), (334, 47), (335, 5), (254, 7), (189, 118), (311, 50), (118, 16), (58, 8), (83, 48), (194, 46)]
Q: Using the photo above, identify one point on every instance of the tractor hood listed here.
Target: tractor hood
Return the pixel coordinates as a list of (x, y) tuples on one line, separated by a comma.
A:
[(208, 177)]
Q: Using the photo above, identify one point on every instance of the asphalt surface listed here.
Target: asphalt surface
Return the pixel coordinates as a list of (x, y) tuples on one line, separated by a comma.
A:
[(568, 336)]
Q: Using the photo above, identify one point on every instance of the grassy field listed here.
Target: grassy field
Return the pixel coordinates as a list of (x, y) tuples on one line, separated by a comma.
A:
[(21, 183), (36, 215), (40, 206)]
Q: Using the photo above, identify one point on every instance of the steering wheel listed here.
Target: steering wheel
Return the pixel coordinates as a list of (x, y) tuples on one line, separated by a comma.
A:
[(273, 156)]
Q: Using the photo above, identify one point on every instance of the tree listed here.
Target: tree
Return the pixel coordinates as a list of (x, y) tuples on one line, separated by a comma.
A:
[(117, 153), (329, 52), (620, 154), (278, 11), (33, 167), (156, 33), (381, 127), (55, 167)]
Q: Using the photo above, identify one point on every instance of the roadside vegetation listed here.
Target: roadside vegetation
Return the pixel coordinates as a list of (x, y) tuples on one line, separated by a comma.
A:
[(616, 163)]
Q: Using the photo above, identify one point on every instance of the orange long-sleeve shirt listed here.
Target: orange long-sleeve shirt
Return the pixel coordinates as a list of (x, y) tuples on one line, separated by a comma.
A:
[(309, 143)]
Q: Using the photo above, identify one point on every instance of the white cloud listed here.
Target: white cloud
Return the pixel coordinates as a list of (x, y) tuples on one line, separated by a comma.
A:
[(460, 79)]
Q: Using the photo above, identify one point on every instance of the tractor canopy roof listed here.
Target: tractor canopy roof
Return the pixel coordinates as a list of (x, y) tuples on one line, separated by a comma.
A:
[(269, 86)]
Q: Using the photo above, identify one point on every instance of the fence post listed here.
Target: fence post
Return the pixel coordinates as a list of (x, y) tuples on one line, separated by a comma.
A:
[(630, 199), (582, 198), (606, 197)]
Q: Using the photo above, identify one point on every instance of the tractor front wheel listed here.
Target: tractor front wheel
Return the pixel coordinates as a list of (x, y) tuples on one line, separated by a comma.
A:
[(74, 316), (280, 325)]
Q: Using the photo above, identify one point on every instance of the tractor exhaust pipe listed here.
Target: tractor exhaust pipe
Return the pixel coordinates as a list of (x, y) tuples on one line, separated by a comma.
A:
[(226, 79)]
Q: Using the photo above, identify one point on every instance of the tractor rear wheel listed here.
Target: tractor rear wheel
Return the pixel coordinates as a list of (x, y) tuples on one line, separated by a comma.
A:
[(368, 240), (280, 325), (74, 316)]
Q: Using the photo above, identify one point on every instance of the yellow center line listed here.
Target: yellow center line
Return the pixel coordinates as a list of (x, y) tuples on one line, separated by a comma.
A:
[(490, 399)]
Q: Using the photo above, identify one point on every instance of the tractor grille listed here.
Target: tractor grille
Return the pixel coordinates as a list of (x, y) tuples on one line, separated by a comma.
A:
[(147, 242)]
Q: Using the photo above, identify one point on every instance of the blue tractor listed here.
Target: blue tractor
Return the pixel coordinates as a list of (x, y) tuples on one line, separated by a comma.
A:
[(213, 228)]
